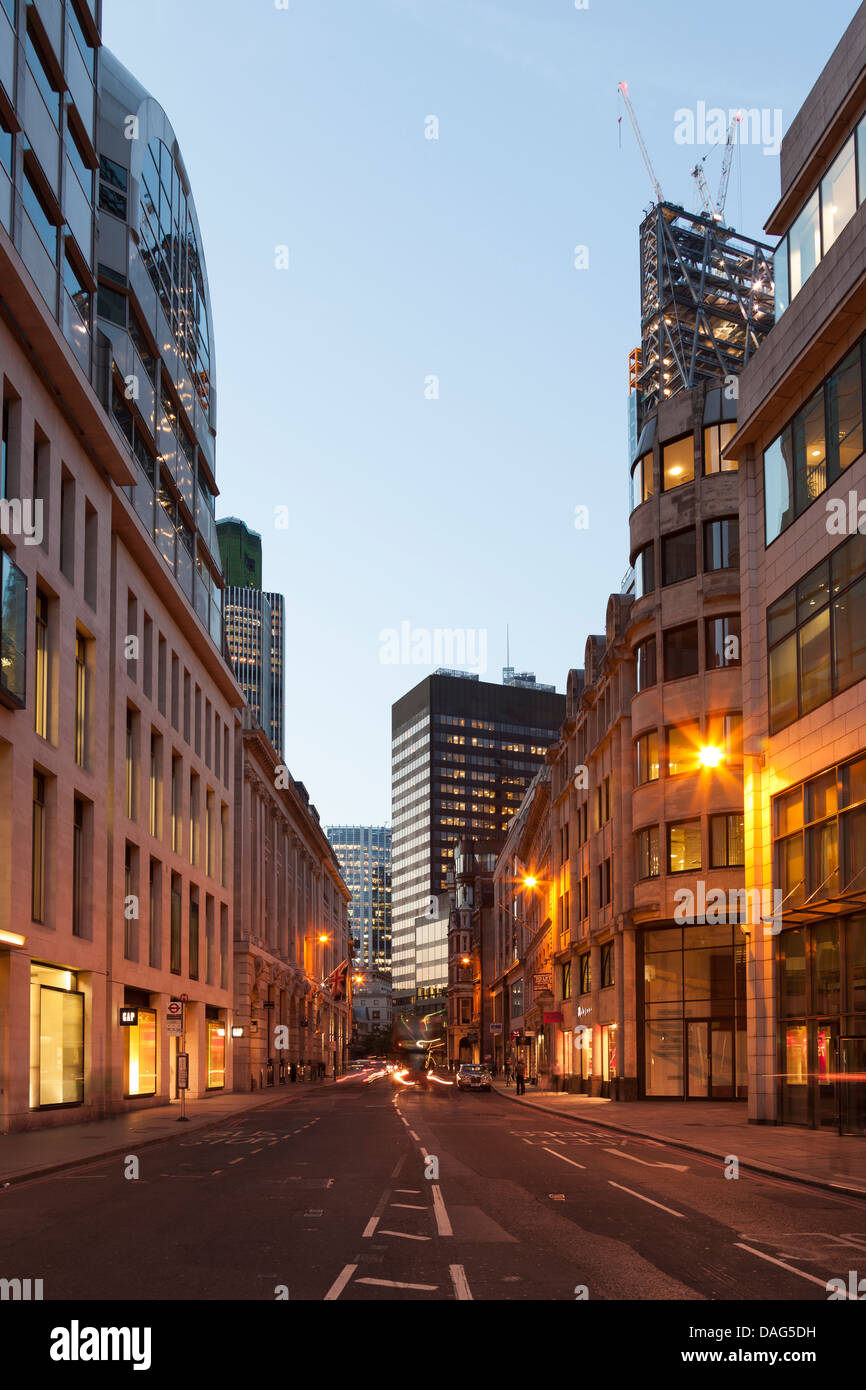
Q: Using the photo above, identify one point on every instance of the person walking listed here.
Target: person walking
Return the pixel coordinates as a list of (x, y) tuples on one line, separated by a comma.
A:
[(293, 1072), (520, 1076)]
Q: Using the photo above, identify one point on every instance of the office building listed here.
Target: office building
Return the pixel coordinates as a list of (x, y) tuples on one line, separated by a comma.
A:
[(364, 855), (463, 752), (254, 627)]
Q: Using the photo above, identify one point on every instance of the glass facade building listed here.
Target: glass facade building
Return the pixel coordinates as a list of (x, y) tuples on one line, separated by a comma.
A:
[(463, 753), (254, 627), (364, 855)]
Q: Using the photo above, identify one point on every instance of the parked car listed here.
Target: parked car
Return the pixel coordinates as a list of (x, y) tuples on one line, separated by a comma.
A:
[(472, 1076)]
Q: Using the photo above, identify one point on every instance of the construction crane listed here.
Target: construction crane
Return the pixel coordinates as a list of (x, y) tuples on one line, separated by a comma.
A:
[(716, 209), (623, 91)]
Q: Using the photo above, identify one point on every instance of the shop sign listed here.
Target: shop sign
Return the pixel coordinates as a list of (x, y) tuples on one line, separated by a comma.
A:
[(543, 981), (128, 1018), (496, 1028), (555, 1017)]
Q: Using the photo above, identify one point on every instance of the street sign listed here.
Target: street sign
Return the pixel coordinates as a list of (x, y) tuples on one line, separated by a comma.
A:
[(128, 1018), (174, 1018), (183, 1071), (496, 1027), (543, 982)]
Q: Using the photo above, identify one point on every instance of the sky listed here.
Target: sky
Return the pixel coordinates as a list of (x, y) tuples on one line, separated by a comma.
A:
[(419, 377)]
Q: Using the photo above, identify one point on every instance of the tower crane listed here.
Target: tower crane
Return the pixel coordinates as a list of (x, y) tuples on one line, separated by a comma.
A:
[(623, 91), (716, 209)]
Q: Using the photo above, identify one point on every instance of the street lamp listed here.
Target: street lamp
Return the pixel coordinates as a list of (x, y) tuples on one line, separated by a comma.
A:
[(711, 755)]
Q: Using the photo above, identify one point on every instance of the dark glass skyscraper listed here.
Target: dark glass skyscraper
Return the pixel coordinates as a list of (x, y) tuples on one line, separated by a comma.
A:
[(254, 626), (463, 752), (364, 856)]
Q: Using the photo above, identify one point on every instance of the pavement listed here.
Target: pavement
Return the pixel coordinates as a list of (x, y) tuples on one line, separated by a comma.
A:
[(720, 1129), (33, 1153), (369, 1192)]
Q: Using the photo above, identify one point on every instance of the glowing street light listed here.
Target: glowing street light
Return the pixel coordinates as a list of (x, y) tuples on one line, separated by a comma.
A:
[(530, 881), (710, 756)]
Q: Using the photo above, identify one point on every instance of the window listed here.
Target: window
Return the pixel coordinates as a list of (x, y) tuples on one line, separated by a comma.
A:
[(647, 847), (815, 636), (56, 1037), (684, 847), (80, 700), (678, 462), (37, 62), (13, 632), (194, 818), (727, 841), (645, 664), (176, 805), (642, 480), (39, 215), (193, 933), (78, 867), (723, 641), (647, 757), (820, 834), (155, 915), (130, 904), (216, 1055), (679, 556), (42, 666), (139, 1047), (605, 882), (176, 913), (38, 905), (585, 967), (715, 439), (566, 979), (804, 245), (722, 544), (644, 572), (84, 47), (607, 965), (155, 783), (821, 442), (683, 742), (77, 290), (112, 187), (681, 652), (131, 763)]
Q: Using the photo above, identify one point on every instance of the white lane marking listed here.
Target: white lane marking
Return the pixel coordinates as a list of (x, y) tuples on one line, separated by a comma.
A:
[(402, 1235), (791, 1268), (415, 1136), (462, 1292), (257, 1151), (395, 1284), (529, 1142), (443, 1225), (557, 1154), (215, 1171), (680, 1167), (642, 1198), (849, 1187), (398, 1166), (408, 1206), (374, 1219), (408, 1191), (237, 1160), (339, 1284)]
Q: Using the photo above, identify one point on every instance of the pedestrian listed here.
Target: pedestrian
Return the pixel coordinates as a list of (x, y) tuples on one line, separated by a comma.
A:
[(293, 1072), (520, 1076), (556, 1073), (508, 1072)]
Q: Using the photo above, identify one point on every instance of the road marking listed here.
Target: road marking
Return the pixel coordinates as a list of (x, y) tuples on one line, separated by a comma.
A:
[(339, 1284), (237, 1160), (215, 1171), (461, 1286), (679, 1167), (557, 1154), (257, 1151), (415, 1136), (394, 1284), (408, 1191), (792, 1268), (408, 1206), (399, 1166), (443, 1225), (402, 1235), (642, 1198), (849, 1187), (529, 1142), (374, 1219)]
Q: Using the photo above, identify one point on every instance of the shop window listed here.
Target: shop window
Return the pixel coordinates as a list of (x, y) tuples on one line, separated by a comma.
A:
[(140, 1055), (56, 1037), (216, 1054)]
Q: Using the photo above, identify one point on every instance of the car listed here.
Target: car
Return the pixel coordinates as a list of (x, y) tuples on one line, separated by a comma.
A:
[(472, 1076)]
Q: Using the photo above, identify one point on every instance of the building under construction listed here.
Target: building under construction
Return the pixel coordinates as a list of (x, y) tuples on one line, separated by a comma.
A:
[(706, 302)]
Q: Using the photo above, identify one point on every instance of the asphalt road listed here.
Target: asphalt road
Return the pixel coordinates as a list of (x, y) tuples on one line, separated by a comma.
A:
[(327, 1197)]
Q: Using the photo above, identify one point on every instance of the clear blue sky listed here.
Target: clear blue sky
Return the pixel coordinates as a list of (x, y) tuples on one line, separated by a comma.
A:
[(409, 257)]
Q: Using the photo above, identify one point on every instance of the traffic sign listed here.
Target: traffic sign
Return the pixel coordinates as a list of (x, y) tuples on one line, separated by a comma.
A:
[(174, 1018)]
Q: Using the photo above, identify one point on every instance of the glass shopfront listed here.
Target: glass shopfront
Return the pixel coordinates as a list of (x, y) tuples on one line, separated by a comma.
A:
[(608, 1057), (56, 1037), (694, 1013), (583, 1056), (140, 1055), (216, 1054), (822, 1001)]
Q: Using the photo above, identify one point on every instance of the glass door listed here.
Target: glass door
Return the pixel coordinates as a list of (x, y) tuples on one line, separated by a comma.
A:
[(698, 1060), (852, 1085), (827, 1099)]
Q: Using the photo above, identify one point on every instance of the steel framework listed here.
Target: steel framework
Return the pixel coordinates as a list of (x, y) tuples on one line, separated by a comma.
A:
[(706, 302)]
